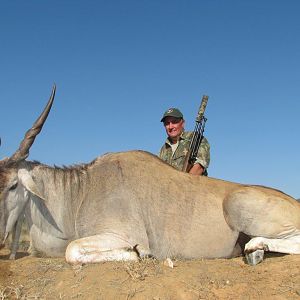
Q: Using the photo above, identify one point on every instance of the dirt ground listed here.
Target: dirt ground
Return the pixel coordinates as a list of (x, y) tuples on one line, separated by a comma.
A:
[(277, 277)]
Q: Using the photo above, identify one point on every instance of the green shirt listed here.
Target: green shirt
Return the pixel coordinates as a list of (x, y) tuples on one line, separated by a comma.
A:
[(177, 158)]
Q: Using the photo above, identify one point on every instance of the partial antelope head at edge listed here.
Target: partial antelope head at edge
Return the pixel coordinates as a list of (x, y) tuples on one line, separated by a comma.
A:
[(13, 178)]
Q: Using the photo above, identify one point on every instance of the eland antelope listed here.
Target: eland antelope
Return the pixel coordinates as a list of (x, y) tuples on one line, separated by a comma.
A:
[(128, 205)]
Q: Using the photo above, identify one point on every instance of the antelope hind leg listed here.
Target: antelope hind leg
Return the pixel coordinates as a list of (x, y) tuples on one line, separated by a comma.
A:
[(254, 249), (269, 216)]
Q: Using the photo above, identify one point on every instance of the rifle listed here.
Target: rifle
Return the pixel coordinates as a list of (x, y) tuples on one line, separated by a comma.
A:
[(197, 137)]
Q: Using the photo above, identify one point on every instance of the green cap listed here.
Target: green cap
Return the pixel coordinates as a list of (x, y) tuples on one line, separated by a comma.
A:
[(172, 112)]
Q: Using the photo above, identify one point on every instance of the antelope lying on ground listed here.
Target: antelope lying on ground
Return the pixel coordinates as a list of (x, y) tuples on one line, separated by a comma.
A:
[(125, 206)]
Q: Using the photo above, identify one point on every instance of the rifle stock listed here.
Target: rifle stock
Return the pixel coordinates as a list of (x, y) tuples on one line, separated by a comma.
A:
[(197, 137)]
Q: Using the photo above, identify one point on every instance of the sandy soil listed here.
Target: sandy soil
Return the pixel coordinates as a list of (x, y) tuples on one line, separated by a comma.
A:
[(277, 277)]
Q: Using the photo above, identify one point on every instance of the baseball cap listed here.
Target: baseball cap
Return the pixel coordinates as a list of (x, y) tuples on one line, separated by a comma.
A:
[(172, 112)]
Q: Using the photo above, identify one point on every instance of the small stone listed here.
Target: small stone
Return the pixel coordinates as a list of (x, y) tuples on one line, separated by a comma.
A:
[(168, 263)]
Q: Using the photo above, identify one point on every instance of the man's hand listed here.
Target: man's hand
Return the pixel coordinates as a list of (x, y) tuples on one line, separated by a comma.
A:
[(196, 169)]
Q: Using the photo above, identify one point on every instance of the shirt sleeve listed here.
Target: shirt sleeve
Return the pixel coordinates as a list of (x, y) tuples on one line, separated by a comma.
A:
[(161, 152), (203, 157)]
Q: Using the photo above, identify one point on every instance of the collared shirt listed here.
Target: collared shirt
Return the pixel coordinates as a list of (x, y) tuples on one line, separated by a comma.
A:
[(177, 158)]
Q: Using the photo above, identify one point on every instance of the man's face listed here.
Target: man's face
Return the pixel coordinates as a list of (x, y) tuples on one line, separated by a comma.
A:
[(174, 127)]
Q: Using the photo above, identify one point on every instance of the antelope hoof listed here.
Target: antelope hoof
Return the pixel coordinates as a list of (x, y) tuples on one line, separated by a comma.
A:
[(255, 257), (12, 256)]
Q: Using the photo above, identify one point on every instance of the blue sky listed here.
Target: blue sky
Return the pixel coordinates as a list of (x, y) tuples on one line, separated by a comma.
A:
[(118, 65)]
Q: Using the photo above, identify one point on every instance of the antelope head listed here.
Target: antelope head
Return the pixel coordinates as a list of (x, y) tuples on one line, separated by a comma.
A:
[(15, 180)]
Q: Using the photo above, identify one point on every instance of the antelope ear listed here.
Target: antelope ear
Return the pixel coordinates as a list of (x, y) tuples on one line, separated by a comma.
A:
[(27, 181)]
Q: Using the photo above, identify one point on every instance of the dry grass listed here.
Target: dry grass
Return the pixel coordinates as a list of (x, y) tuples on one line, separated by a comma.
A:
[(51, 264), (12, 293), (139, 270), (42, 277)]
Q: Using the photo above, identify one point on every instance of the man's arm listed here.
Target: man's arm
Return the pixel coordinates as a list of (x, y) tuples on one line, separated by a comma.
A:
[(203, 158)]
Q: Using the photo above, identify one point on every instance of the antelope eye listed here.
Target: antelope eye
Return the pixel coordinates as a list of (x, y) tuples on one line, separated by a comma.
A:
[(13, 187)]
